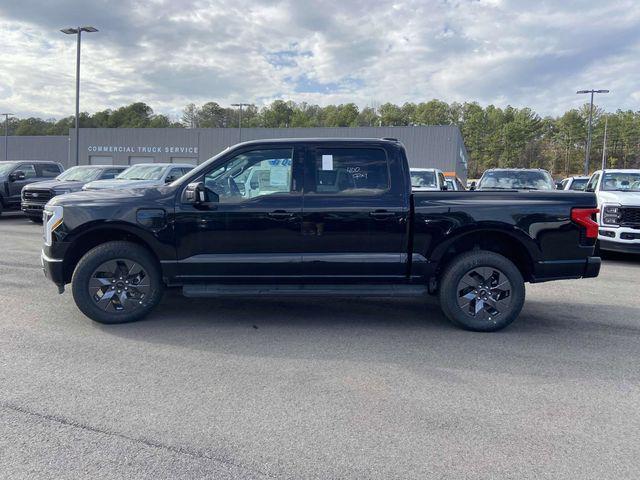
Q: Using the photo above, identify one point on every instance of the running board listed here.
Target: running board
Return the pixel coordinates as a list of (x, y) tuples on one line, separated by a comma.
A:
[(218, 290)]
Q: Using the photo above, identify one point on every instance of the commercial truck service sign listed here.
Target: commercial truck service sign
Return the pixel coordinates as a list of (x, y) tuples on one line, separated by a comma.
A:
[(141, 149)]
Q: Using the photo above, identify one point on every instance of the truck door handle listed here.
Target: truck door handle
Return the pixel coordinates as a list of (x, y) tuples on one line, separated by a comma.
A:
[(280, 214), (381, 214)]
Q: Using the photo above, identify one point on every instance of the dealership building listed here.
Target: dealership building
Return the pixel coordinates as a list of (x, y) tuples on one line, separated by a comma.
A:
[(427, 146)]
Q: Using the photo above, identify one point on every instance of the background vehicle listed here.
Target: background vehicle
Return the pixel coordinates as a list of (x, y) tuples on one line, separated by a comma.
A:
[(36, 195), (14, 175), (453, 183), (143, 175), (427, 179), (515, 179), (574, 183), (618, 193), (361, 232)]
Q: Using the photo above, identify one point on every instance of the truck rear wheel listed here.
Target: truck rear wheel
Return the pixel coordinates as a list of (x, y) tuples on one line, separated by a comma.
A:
[(482, 291), (117, 282)]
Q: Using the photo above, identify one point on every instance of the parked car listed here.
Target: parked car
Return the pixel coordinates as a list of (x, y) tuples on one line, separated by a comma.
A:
[(427, 179), (14, 175), (574, 183), (515, 179), (362, 232), (453, 183), (143, 175), (36, 195), (618, 193)]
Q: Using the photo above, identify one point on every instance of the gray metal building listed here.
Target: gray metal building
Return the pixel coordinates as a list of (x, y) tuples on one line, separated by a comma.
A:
[(427, 146)]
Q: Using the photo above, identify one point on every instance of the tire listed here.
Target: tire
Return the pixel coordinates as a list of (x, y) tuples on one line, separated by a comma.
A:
[(35, 219), (473, 277), (100, 281)]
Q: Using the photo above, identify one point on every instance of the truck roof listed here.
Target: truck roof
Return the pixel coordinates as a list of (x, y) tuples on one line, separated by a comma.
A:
[(389, 141)]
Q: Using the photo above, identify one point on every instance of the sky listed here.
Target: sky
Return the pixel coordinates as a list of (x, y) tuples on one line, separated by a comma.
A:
[(169, 53)]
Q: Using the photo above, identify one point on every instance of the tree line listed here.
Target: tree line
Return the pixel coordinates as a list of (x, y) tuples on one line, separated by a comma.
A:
[(494, 137)]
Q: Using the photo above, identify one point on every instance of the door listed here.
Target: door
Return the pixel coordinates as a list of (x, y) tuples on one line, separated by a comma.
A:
[(252, 234), (15, 187), (354, 220)]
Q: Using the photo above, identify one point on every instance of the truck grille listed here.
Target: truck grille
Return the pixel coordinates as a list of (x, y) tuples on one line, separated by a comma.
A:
[(39, 196), (630, 216)]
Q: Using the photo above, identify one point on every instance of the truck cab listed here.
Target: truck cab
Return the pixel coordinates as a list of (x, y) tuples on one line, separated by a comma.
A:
[(15, 175), (618, 194), (329, 217)]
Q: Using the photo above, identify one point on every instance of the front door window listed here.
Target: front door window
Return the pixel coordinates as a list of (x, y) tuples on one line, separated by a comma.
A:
[(251, 175)]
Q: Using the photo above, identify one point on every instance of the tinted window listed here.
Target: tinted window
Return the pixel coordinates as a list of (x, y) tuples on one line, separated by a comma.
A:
[(578, 183), (110, 173), (423, 179), (252, 174), (593, 181), (28, 169), (516, 179), (351, 171), (49, 170)]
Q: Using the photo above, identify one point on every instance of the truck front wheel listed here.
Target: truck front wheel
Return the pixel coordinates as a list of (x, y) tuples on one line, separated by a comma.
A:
[(482, 291), (117, 282)]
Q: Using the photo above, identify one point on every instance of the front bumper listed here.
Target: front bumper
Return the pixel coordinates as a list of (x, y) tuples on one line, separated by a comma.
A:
[(53, 270), (621, 239), (31, 208)]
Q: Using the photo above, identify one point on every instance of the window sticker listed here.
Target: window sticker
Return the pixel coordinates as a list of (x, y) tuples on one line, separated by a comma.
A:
[(327, 162), (279, 176)]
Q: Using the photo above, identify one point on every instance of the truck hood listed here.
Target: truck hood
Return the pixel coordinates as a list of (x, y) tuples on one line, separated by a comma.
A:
[(623, 198), (55, 185), (112, 184), (111, 196)]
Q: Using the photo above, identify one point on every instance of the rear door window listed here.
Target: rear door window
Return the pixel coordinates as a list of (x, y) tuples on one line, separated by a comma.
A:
[(350, 171), (49, 170)]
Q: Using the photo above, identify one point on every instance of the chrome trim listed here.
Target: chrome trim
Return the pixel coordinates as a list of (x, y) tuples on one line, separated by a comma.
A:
[(45, 258)]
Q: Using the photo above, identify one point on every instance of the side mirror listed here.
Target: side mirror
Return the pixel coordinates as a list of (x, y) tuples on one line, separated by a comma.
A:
[(17, 176), (444, 188), (169, 179), (200, 197), (472, 186)]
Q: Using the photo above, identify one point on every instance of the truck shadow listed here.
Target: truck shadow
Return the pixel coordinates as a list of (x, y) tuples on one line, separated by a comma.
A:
[(404, 332)]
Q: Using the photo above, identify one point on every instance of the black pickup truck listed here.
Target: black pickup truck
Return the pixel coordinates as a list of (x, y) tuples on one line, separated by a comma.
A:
[(315, 217)]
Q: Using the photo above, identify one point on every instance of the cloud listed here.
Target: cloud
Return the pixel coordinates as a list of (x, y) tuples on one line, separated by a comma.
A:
[(172, 52)]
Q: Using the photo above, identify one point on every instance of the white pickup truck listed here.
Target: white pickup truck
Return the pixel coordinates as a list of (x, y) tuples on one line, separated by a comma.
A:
[(618, 193)]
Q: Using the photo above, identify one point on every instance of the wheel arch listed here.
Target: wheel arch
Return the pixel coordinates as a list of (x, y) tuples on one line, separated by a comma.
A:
[(98, 235), (504, 242)]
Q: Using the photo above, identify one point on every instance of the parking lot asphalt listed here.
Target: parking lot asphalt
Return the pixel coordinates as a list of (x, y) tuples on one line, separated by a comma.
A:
[(317, 388)]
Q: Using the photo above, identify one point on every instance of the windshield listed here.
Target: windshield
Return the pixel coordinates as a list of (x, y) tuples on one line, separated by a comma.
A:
[(79, 174), (622, 182), (516, 179), (142, 172), (578, 184), (423, 179), (5, 168)]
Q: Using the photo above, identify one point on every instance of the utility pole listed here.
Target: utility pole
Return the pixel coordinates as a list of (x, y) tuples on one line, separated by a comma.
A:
[(604, 144), (587, 152), (78, 31), (240, 105), (6, 134)]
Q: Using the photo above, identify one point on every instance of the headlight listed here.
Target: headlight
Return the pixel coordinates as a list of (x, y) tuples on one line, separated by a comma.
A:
[(610, 215), (61, 192), (52, 219)]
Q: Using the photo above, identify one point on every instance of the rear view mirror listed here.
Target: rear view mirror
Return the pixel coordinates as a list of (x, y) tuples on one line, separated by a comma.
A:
[(17, 176)]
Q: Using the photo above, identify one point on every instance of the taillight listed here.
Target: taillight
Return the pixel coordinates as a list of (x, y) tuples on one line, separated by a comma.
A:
[(584, 217)]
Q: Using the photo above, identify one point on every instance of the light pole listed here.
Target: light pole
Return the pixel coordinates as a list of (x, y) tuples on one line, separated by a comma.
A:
[(240, 105), (604, 144), (588, 149), (6, 134), (78, 31)]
